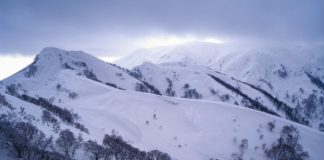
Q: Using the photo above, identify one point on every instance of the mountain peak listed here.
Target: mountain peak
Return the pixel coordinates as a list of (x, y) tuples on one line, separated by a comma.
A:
[(52, 63), (51, 60), (52, 52)]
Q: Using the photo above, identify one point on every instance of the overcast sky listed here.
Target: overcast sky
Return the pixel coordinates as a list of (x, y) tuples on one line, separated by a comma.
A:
[(116, 27), (111, 27)]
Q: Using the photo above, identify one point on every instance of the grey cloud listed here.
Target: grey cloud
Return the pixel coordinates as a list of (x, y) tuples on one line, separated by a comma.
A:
[(112, 25)]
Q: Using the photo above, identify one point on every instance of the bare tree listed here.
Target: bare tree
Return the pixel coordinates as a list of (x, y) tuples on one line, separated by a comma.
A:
[(96, 150), (69, 143)]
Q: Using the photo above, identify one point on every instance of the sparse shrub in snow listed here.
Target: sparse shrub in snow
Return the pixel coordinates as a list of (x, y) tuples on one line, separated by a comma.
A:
[(154, 116), (242, 149), (266, 82), (67, 66), (86, 71), (225, 97), (301, 90), (51, 99), (190, 93), (271, 125), (144, 86), (169, 91), (48, 118), (119, 74), (186, 86), (89, 74), (68, 143), (212, 91), (315, 80), (310, 105), (113, 85), (136, 73), (282, 71), (31, 70), (264, 146), (287, 146), (12, 89), (140, 87), (73, 95), (234, 140), (4, 102), (243, 146), (321, 127), (81, 127), (80, 64), (22, 111), (151, 88), (23, 115), (58, 87)]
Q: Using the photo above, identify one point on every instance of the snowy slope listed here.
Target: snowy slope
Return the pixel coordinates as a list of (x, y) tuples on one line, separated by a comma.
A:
[(282, 71), (174, 77), (186, 129)]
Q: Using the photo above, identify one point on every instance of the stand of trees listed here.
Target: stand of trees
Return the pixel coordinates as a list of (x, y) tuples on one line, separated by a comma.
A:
[(169, 91), (114, 147), (253, 103), (4, 102), (287, 146), (315, 80), (68, 143), (32, 69), (64, 114), (290, 112), (191, 93), (24, 141)]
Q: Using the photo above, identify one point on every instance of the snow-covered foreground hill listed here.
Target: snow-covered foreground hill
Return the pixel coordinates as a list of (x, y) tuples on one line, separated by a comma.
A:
[(185, 129)]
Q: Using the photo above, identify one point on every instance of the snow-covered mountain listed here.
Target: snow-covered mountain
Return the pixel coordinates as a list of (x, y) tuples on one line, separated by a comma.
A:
[(51, 61), (105, 98), (274, 76), (192, 52)]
